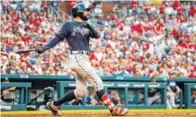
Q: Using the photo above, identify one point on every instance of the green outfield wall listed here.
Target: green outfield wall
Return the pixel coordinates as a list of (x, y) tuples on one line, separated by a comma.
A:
[(132, 90)]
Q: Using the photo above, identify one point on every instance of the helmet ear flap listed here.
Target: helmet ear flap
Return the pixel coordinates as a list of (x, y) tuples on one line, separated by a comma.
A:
[(74, 13)]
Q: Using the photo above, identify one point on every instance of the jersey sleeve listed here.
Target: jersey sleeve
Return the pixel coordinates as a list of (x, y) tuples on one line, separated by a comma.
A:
[(64, 31)]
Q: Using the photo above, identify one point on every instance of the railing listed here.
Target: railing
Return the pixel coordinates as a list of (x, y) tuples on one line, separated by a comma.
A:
[(105, 78)]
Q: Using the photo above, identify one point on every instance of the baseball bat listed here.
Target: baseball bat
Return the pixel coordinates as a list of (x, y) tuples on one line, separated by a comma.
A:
[(24, 51)]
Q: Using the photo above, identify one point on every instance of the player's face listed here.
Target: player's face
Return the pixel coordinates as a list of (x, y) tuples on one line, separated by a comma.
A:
[(86, 13), (84, 17)]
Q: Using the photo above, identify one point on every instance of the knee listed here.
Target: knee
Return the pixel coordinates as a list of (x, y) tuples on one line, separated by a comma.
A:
[(80, 93), (99, 86), (96, 81)]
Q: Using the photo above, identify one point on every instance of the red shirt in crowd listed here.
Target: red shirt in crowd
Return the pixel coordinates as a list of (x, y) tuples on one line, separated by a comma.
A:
[(193, 73), (181, 10), (137, 28), (176, 4), (162, 9), (133, 3), (14, 17), (25, 38), (92, 56), (192, 11), (181, 19), (120, 26), (175, 33), (146, 9), (159, 26), (37, 22)]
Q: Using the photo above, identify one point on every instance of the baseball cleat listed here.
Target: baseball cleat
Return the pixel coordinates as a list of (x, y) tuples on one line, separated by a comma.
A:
[(53, 109), (119, 111)]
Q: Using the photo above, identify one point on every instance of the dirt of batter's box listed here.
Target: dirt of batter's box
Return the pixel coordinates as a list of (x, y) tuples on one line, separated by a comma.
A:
[(108, 115)]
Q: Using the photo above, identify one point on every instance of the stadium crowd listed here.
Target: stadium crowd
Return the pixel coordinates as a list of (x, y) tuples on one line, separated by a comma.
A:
[(136, 39)]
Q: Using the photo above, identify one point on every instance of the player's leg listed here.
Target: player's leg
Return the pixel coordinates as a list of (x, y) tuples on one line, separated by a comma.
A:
[(150, 100), (172, 98), (80, 91), (98, 85), (54, 106), (81, 87), (169, 106), (91, 76)]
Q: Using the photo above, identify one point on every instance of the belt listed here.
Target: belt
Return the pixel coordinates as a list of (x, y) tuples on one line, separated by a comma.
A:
[(80, 52)]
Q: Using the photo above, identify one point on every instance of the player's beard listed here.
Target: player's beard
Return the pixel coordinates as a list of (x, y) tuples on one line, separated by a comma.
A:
[(85, 18)]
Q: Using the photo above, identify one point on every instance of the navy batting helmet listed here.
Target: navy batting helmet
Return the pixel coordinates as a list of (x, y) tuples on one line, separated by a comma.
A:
[(78, 10)]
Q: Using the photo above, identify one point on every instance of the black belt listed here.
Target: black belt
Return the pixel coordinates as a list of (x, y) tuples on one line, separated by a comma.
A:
[(80, 52)]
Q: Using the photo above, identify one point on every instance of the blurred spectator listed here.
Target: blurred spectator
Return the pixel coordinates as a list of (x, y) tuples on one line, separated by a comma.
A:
[(169, 9), (5, 6), (137, 39), (54, 6), (115, 98), (7, 94), (35, 6), (193, 98), (92, 99), (77, 102), (20, 5), (153, 97), (4, 63)]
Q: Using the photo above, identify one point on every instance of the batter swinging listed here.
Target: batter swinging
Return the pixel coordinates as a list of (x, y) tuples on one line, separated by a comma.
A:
[(78, 33)]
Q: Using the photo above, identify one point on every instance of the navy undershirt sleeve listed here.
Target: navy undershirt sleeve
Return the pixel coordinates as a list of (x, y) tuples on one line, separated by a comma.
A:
[(94, 33), (52, 42), (63, 33)]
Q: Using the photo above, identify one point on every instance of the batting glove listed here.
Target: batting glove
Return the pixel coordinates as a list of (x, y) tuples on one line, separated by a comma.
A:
[(40, 50)]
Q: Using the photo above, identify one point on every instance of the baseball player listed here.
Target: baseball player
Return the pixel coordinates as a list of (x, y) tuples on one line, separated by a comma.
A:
[(173, 91), (77, 33)]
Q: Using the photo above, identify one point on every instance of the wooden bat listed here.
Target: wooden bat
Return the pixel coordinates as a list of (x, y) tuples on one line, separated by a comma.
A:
[(24, 51)]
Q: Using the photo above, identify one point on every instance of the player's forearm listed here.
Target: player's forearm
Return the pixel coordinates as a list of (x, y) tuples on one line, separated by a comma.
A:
[(95, 34), (11, 89), (52, 42), (178, 90)]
